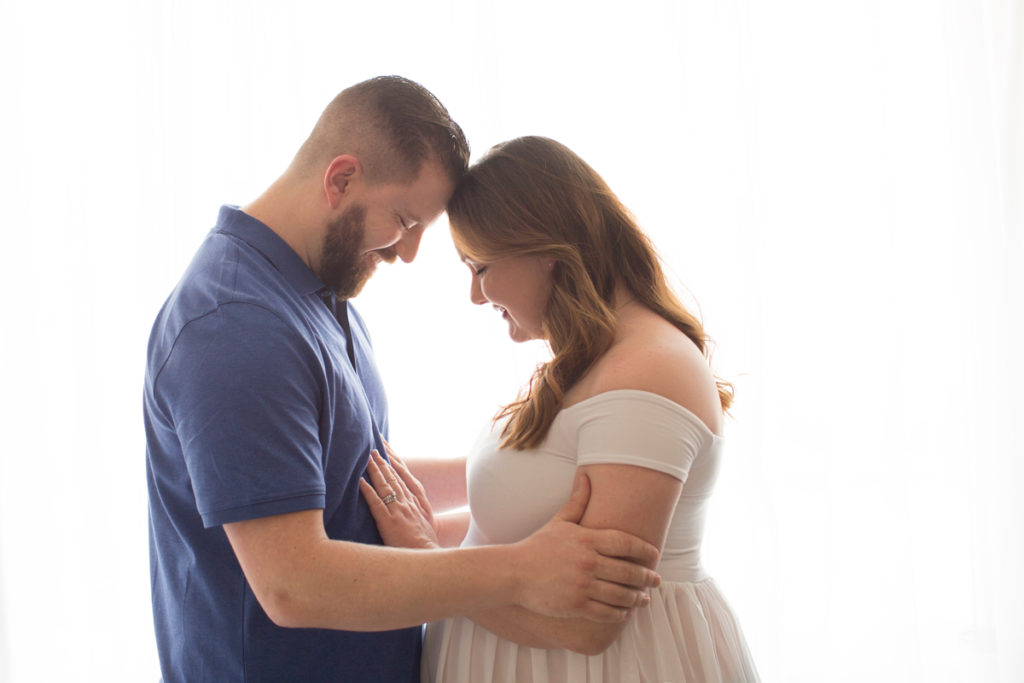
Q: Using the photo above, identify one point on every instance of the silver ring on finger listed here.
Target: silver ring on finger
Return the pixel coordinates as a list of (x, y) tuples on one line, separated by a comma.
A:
[(389, 499)]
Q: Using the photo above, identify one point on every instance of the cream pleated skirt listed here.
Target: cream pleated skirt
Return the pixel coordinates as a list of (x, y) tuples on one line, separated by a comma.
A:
[(687, 634)]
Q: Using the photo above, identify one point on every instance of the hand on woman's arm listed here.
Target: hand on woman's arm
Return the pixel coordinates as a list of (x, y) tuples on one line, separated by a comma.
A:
[(632, 499), (303, 579), (637, 500)]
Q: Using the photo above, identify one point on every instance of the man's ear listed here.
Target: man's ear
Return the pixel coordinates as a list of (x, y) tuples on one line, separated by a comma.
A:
[(339, 177)]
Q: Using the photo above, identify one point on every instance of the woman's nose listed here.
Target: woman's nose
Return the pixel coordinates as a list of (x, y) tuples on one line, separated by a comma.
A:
[(476, 293)]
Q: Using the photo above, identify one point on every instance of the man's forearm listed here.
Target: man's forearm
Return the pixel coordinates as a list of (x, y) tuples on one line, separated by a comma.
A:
[(357, 587), (303, 579), (535, 630)]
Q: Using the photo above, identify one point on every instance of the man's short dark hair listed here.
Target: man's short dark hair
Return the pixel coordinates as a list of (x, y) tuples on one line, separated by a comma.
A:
[(393, 125)]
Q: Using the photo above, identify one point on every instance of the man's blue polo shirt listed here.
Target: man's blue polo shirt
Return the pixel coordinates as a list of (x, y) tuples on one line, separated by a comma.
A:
[(253, 408)]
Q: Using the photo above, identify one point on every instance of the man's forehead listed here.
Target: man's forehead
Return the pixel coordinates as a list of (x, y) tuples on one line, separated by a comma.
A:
[(428, 195)]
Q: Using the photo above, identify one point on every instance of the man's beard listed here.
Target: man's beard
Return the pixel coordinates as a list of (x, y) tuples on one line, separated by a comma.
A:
[(343, 266)]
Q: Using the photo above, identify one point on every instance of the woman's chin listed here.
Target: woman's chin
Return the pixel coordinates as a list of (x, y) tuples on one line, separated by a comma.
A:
[(518, 335)]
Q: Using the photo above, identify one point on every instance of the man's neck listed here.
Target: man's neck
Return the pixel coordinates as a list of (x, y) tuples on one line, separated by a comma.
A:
[(283, 209)]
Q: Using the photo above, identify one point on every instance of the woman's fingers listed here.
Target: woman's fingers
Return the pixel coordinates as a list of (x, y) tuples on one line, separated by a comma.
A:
[(376, 476), (411, 482), (397, 486), (377, 507), (397, 481), (412, 489), (389, 480), (402, 470), (400, 518), (386, 489)]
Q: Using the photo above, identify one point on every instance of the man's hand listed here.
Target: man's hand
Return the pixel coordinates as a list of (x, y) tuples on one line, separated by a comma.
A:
[(566, 570), (562, 570)]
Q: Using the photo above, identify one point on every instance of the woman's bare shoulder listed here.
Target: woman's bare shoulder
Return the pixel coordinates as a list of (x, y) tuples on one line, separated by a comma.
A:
[(652, 355)]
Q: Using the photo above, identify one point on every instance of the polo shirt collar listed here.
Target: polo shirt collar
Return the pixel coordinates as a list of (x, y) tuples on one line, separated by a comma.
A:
[(233, 221)]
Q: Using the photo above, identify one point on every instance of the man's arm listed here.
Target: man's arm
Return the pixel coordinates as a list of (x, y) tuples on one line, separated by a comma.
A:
[(304, 579), (633, 499)]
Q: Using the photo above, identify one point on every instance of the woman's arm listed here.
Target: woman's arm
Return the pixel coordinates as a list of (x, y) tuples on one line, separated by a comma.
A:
[(452, 528), (443, 480), (303, 579), (633, 499), (637, 500), (625, 497)]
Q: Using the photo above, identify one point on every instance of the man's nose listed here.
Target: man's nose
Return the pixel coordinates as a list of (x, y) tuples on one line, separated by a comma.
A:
[(409, 245)]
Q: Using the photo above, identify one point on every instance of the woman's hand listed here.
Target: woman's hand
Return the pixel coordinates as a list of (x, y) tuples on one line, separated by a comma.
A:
[(398, 503)]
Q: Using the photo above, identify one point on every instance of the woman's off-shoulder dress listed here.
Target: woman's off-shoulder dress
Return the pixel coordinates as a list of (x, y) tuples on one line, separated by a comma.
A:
[(687, 633)]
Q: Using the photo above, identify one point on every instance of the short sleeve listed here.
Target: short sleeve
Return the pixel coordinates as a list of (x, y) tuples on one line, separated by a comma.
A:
[(640, 428), (241, 388)]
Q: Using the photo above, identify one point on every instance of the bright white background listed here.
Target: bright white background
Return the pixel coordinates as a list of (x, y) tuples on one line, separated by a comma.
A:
[(838, 184)]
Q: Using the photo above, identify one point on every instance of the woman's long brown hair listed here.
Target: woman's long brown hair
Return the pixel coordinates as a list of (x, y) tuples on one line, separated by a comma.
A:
[(534, 196)]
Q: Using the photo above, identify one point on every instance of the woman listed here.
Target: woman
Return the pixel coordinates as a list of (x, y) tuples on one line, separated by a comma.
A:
[(627, 398)]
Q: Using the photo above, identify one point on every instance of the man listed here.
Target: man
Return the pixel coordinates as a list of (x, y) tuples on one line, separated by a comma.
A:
[(262, 405)]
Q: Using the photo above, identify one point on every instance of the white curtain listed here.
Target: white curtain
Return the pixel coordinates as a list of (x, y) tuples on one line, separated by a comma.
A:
[(839, 186)]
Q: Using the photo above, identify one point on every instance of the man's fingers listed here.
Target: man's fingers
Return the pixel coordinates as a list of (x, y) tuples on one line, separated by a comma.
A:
[(613, 543), (625, 573), (618, 595), (600, 612)]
